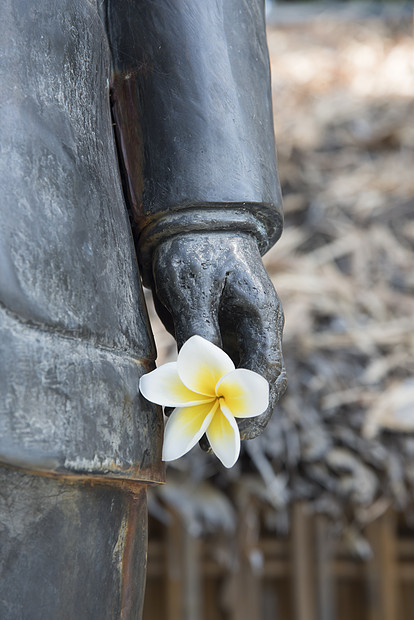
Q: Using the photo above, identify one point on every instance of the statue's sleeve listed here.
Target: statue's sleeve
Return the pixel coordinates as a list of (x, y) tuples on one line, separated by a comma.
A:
[(192, 112)]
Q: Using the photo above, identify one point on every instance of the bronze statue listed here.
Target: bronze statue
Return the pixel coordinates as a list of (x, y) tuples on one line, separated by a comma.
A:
[(190, 185)]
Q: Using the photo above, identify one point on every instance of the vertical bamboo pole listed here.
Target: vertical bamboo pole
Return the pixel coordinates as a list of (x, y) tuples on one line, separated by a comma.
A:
[(303, 565), (382, 569), (174, 577), (247, 580), (183, 572), (192, 576), (326, 608)]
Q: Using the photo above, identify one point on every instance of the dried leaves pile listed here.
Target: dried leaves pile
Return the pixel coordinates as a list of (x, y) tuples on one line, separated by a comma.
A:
[(343, 436)]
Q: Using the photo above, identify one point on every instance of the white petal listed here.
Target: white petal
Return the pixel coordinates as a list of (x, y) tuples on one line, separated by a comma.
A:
[(184, 427), (224, 436), (164, 387), (201, 364), (245, 393)]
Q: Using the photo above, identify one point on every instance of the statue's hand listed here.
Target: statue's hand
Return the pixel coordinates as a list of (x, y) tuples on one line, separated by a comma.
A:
[(215, 285)]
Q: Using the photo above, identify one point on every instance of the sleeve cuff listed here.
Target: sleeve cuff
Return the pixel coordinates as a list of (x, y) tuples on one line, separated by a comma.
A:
[(263, 222)]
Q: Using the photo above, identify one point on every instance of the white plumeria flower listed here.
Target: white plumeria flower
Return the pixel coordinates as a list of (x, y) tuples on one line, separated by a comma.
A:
[(208, 393)]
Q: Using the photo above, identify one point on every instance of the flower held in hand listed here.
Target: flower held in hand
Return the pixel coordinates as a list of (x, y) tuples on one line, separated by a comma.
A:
[(208, 393)]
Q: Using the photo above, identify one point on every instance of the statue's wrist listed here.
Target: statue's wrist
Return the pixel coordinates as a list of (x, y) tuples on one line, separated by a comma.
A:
[(236, 218)]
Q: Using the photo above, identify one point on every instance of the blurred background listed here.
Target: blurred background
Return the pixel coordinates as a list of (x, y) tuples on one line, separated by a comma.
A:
[(316, 521)]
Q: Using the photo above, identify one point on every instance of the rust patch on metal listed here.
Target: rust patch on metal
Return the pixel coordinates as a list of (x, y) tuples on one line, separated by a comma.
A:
[(134, 546)]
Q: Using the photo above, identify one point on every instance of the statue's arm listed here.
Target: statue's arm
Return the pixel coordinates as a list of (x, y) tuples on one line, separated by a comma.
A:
[(193, 118)]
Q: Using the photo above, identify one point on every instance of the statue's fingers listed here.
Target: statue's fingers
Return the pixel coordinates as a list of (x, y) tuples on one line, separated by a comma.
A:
[(253, 317), (186, 284), (197, 319), (163, 313), (189, 315)]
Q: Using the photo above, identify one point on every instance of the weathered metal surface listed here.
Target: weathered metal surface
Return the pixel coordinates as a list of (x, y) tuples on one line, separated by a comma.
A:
[(68, 406), (201, 127), (70, 549), (75, 337)]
